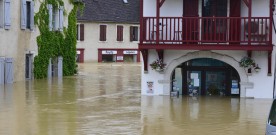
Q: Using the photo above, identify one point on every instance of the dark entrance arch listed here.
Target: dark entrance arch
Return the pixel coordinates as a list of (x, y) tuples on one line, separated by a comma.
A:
[(206, 76)]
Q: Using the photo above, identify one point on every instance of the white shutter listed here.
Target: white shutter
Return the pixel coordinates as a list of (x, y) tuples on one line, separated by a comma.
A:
[(23, 14), (9, 70), (50, 11), (61, 18), (32, 15), (7, 19)]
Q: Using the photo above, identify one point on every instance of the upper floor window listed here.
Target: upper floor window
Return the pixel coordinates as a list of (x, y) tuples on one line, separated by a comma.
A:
[(120, 33), (80, 32), (5, 19), (27, 14), (55, 17), (103, 32), (134, 33)]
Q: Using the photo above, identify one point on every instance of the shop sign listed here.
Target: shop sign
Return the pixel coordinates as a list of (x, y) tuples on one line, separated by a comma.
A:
[(109, 52), (130, 52)]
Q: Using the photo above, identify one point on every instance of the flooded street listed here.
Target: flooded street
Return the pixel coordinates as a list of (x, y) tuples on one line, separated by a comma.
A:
[(105, 99)]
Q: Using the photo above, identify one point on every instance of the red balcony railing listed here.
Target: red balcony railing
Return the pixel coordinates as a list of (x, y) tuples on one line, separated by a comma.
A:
[(206, 30)]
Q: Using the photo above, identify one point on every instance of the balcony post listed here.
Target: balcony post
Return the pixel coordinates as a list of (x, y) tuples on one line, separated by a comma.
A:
[(249, 20), (145, 59), (141, 21), (270, 21), (269, 63), (157, 20)]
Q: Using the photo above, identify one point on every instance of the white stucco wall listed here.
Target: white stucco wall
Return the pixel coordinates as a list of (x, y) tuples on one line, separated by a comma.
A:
[(257, 85), (16, 43), (91, 41)]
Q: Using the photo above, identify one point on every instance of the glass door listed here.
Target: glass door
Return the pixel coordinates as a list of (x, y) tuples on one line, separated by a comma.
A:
[(194, 83), (215, 83)]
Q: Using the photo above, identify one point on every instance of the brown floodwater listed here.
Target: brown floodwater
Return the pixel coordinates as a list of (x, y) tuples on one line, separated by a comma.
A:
[(105, 99)]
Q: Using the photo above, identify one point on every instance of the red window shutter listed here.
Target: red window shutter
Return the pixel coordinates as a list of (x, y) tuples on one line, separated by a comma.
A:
[(102, 32), (120, 33), (81, 32), (131, 34)]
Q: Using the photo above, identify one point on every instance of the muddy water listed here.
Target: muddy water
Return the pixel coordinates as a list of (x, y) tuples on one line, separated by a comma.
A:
[(104, 99)]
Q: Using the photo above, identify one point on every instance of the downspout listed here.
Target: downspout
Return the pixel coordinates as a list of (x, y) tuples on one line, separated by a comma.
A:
[(273, 9)]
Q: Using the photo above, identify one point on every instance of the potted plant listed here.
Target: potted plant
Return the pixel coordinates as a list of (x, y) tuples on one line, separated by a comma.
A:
[(247, 62), (158, 65)]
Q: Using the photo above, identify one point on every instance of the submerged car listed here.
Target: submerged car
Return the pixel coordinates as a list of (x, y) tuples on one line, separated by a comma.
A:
[(271, 122)]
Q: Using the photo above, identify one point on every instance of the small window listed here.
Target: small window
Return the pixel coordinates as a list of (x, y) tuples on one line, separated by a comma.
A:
[(55, 17), (102, 32), (28, 25), (134, 33), (120, 32), (80, 32), (125, 1)]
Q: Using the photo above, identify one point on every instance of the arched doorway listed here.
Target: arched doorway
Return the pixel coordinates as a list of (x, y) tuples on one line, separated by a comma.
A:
[(205, 76)]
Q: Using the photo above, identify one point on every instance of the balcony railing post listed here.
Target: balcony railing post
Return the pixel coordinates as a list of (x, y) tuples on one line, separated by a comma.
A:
[(157, 20), (142, 27), (270, 21), (249, 21)]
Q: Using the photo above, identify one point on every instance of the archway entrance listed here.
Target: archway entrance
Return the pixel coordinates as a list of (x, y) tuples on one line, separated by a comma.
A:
[(206, 76)]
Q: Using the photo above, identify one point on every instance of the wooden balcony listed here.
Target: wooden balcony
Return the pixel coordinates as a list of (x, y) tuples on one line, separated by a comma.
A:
[(206, 33)]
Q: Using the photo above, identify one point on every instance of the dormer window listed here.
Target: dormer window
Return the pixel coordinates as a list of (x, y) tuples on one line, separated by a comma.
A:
[(125, 1)]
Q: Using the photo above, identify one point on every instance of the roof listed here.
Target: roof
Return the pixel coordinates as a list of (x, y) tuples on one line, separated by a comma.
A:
[(110, 11)]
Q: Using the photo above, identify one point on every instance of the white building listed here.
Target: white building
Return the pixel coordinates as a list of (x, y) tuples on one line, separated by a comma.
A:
[(18, 34), (202, 43), (108, 31)]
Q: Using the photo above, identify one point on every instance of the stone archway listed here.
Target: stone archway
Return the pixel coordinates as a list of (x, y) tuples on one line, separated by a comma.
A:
[(207, 54)]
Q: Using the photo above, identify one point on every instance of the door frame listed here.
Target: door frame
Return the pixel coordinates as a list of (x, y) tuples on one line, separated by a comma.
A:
[(212, 32), (29, 67)]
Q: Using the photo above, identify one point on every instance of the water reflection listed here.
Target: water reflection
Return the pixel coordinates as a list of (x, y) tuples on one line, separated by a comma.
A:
[(203, 115), (105, 99)]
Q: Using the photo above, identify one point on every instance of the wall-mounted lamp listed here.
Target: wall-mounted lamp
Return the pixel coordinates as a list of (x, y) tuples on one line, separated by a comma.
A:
[(257, 68)]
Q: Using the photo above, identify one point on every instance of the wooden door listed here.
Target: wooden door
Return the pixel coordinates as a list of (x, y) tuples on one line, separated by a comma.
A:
[(190, 22), (214, 21)]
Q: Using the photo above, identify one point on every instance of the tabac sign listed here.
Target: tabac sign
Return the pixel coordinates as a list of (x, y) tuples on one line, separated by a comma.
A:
[(109, 52), (130, 52)]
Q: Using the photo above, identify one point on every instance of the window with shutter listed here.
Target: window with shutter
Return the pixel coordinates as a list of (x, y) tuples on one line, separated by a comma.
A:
[(27, 14), (80, 32), (55, 17), (134, 33), (120, 29), (102, 32)]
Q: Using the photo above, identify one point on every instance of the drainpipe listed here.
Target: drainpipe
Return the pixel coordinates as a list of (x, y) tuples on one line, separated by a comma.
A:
[(273, 9)]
